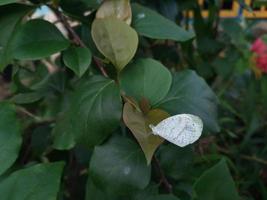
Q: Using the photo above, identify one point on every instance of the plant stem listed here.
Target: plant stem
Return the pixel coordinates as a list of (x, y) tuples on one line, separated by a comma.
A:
[(75, 37), (245, 157), (163, 178)]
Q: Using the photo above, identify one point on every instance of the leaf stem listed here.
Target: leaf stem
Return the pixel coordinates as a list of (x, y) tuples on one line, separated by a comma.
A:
[(163, 179), (75, 37)]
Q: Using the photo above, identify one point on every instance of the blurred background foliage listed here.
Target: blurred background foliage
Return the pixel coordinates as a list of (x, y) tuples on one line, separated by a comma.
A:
[(220, 53)]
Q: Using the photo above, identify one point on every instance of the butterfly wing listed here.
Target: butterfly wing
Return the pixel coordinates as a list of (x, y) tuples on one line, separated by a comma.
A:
[(182, 130)]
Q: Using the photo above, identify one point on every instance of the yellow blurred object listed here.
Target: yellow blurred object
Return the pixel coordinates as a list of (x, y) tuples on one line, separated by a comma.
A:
[(260, 12), (120, 9), (232, 9)]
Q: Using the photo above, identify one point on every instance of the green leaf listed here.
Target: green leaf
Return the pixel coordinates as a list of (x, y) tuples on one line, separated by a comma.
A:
[(4, 2), (216, 183), (120, 9), (26, 98), (116, 40), (139, 123), (119, 166), (92, 192), (151, 24), (39, 182), (175, 161), (10, 16), (78, 59), (189, 93), (94, 113), (150, 190), (10, 136), (37, 39), (146, 78), (63, 135)]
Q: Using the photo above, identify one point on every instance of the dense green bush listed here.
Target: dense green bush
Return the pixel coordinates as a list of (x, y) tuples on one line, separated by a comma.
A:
[(82, 80)]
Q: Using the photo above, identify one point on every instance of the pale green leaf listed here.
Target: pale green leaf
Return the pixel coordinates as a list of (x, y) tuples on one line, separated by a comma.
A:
[(116, 40), (119, 9)]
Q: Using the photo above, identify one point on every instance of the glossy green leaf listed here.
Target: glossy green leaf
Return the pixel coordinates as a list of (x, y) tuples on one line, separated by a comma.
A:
[(119, 166), (39, 182), (94, 114), (216, 183), (151, 24), (189, 93), (139, 123), (26, 98), (175, 161), (116, 40), (146, 78), (4, 2), (93, 192), (10, 136), (78, 59), (10, 16), (37, 39)]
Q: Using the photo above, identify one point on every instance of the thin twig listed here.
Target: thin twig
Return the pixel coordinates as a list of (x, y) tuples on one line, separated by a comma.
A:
[(99, 65), (163, 178), (28, 113), (245, 157), (75, 37)]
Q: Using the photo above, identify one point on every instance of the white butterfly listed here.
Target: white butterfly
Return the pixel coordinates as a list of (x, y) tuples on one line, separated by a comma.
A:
[(182, 130)]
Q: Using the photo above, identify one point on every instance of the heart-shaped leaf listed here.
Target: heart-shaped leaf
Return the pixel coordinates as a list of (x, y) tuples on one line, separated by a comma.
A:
[(190, 94), (78, 59), (120, 9), (146, 78), (87, 121), (139, 123), (119, 166), (116, 40), (37, 39)]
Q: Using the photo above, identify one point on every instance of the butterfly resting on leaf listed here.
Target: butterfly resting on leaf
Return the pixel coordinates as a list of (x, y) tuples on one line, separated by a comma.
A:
[(181, 130)]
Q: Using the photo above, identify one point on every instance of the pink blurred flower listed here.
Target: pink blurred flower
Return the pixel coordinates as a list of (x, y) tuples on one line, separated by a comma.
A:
[(259, 46), (261, 62), (260, 49)]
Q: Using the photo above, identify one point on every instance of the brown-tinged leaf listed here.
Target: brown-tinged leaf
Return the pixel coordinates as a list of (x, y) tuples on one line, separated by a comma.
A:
[(120, 9), (139, 123), (116, 40), (145, 105)]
